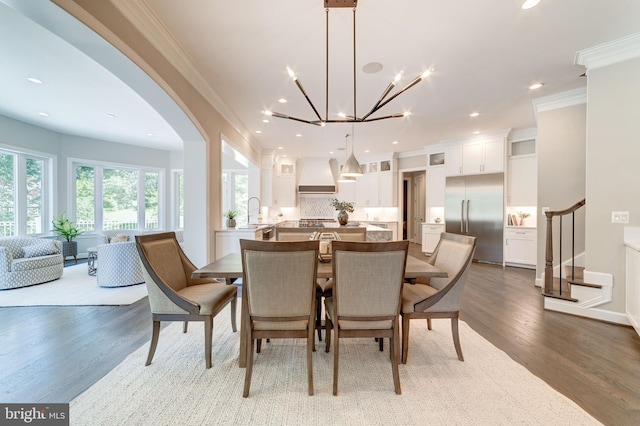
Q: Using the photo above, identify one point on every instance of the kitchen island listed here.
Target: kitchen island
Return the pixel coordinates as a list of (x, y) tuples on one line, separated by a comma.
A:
[(373, 233)]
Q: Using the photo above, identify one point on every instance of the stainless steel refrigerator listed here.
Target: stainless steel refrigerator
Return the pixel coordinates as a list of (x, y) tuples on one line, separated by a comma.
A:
[(474, 205)]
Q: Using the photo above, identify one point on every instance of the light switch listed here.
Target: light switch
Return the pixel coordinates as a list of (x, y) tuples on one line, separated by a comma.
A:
[(619, 217)]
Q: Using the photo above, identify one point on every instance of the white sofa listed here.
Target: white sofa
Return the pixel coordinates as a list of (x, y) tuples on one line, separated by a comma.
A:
[(26, 261)]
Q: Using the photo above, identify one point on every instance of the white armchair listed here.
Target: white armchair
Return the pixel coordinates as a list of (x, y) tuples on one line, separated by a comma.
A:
[(119, 265)]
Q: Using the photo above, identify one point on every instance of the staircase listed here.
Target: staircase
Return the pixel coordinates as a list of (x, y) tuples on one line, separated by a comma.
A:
[(571, 275)]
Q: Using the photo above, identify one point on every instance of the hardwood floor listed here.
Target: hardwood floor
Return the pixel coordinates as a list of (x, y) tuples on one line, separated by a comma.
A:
[(52, 354)]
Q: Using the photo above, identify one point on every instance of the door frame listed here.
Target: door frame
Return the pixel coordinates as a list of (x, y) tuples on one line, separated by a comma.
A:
[(404, 202)]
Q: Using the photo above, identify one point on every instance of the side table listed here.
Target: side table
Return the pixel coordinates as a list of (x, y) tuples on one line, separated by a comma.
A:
[(92, 256)]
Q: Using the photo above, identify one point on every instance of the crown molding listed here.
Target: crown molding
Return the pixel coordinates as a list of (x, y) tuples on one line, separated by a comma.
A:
[(559, 100), (523, 134), (613, 52), (142, 16), (498, 134)]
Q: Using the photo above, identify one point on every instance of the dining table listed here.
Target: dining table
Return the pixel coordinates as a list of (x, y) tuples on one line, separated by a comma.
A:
[(229, 268)]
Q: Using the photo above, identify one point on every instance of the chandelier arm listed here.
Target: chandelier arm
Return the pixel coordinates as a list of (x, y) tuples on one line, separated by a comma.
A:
[(415, 81), (288, 117), (297, 81), (355, 115), (375, 107), (326, 87), (396, 115)]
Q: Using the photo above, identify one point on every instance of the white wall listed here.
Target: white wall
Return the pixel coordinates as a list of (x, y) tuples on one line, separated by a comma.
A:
[(561, 145), (612, 166)]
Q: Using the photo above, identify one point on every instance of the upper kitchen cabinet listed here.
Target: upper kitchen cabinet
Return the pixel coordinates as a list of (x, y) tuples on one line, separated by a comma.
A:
[(378, 187), (477, 156), (278, 181), (435, 186), (522, 173)]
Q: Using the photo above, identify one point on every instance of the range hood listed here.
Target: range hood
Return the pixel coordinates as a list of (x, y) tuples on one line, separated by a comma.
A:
[(316, 177)]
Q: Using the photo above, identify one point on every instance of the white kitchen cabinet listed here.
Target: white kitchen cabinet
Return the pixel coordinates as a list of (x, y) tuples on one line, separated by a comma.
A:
[(522, 181), (632, 307), (520, 246), (377, 188), (436, 182), (477, 157), (431, 236), (266, 187), (453, 160), (387, 189), (228, 241), (284, 191)]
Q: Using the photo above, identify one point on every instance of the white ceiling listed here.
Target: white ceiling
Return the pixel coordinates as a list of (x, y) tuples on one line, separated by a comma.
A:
[(484, 55)]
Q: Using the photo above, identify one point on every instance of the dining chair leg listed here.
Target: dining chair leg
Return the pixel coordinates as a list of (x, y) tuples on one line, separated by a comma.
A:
[(319, 315), (311, 346), (248, 367), (155, 333), (405, 337), (335, 361), (429, 324), (381, 343), (456, 337), (208, 333), (328, 326), (258, 345), (394, 348), (184, 326), (234, 304)]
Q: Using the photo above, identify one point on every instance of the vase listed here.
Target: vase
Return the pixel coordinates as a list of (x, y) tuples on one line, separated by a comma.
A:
[(343, 218), (70, 248), (231, 223)]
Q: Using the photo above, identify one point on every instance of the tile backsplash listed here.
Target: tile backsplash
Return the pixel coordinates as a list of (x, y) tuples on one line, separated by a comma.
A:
[(316, 207)]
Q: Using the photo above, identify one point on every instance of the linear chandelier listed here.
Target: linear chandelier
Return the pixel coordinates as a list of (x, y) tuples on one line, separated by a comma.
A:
[(382, 101)]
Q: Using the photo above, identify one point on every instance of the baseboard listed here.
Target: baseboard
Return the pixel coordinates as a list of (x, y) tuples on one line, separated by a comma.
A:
[(597, 314)]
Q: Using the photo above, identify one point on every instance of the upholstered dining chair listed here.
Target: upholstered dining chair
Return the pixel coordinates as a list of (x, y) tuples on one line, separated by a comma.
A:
[(174, 295), (367, 286), (439, 297), (279, 290), (324, 287)]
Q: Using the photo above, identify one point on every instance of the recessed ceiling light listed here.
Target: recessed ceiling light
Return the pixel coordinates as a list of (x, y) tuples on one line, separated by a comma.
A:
[(298, 135), (280, 147), (366, 150), (536, 86), (265, 121), (474, 114), (528, 4), (330, 152), (395, 142), (34, 80), (149, 134), (43, 114), (111, 116), (476, 132), (258, 131)]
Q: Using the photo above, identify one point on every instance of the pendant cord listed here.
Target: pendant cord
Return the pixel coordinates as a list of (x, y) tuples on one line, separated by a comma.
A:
[(326, 87), (355, 115)]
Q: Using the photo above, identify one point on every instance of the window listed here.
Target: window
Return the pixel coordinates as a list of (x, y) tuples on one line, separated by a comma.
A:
[(24, 184), (178, 199), (117, 197), (235, 187)]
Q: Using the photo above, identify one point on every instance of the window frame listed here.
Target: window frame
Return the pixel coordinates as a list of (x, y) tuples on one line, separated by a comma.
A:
[(20, 188), (98, 167)]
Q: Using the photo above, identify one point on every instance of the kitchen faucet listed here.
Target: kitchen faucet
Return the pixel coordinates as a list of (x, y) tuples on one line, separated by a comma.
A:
[(248, 211)]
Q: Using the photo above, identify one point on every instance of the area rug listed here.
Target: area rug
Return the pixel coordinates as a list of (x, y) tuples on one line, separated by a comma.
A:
[(488, 388), (75, 288)]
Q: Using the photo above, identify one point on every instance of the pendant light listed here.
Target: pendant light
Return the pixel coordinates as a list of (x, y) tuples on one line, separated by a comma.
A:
[(352, 166), (343, 178)]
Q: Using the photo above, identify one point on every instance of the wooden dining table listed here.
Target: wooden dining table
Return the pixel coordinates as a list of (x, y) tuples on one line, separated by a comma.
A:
[(229, 268)]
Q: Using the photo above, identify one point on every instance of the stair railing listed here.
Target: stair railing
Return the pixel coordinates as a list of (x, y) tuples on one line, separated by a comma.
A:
[(548, 265)]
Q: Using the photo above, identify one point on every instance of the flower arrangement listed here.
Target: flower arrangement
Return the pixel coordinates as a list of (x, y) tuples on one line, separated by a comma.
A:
[(522, 215), (342, 206)]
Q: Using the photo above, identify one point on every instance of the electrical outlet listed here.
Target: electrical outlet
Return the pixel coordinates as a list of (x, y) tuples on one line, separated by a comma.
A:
[(619, 217)]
